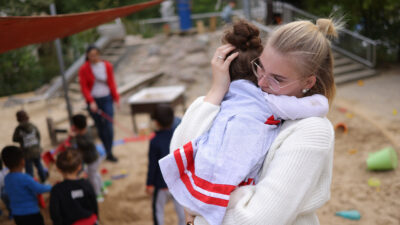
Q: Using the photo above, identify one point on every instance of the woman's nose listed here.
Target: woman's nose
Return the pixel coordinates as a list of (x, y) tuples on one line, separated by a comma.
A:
[(263, 81)]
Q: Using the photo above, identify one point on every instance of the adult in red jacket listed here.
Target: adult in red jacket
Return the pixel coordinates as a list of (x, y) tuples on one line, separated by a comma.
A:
[(97, 83)]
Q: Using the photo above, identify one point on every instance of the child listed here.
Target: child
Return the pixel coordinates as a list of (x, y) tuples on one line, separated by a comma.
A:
[(83, 141), (22, 188), (163, 118), (3, 194), (202, 174), (72, 201), (28, 136)]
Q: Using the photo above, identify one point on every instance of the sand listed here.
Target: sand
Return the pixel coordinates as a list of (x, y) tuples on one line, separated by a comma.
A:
[(371, 127)]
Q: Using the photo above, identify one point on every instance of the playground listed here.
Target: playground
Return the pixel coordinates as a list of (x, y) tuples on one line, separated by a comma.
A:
[(371, 121), (365, 115)]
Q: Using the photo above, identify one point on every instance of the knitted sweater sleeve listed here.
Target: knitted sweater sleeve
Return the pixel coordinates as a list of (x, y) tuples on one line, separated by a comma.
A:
[(197, 119), (289, 181)]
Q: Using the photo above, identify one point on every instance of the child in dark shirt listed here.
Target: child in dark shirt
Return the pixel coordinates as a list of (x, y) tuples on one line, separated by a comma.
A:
[(72, 201), (163, 118), (28, 136), (21, 189), (83, 141)]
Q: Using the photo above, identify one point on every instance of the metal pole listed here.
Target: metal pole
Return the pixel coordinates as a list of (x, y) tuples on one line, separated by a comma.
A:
[(62, 70), (246, 9), (269, 17)]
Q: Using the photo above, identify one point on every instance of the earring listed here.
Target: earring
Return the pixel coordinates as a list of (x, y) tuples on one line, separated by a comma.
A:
[(305, 90)]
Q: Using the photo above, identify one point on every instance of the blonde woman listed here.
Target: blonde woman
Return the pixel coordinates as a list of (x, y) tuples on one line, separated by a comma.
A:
[(296, 175)]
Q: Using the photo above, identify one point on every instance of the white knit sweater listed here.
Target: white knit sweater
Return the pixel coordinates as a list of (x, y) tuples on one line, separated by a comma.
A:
[(294, 181)]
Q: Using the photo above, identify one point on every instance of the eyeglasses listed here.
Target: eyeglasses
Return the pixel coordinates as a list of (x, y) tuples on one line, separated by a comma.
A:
[(273, 83)]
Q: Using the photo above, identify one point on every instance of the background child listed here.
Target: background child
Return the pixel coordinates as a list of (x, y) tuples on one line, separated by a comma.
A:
[(163, 119), (28, 136), (22, 189), (3, 195), (83, 141), (72, 200)]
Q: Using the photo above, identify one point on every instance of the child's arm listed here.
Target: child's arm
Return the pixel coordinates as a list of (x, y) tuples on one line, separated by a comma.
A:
[(37, 187), (37, 133), (55, 213), (293, 108), (17, 136), (197, 120)]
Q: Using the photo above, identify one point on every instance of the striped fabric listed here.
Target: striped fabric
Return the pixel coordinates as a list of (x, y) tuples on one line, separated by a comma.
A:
[(202, 173)]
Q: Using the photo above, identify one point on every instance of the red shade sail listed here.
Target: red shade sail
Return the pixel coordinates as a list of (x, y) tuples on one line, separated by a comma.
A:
[(18, 31)]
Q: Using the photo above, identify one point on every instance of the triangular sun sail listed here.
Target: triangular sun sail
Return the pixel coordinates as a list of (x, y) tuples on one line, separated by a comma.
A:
[(19, 31)]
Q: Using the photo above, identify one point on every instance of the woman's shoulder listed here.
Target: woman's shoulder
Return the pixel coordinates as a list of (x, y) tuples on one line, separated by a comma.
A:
[(84, 66), (311, 130), (311, 123)]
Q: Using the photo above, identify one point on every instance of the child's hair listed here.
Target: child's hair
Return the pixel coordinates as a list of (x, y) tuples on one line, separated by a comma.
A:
[(69, 161), (22, 116), (79, 121), (246, 38), (12, 156), (164, 115), (309, 46)]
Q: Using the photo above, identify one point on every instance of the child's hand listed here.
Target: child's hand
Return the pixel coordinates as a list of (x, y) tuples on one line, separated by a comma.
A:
[(72, 133), (149, 190), (220, 74), (189, 218)]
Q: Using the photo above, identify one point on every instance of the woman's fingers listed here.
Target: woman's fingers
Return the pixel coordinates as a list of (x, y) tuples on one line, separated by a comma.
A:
[(230, 59), (222, 51)]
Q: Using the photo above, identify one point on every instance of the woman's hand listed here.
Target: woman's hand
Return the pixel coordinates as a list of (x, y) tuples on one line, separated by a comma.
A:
[(93, 107), (220, 74)]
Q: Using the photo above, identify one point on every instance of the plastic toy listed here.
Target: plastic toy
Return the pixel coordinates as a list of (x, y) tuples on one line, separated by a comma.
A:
[(384, 159), (351, 214), (342, 127)]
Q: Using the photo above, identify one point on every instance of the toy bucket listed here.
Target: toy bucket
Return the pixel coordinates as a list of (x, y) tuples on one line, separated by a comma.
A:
[(385, 159)]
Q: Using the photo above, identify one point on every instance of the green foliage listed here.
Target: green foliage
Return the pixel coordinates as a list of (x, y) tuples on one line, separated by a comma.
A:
[(24, 8), (203, 6), (379, 20), (20, 71)]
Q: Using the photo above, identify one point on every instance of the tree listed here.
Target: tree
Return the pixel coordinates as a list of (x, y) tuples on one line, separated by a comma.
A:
[(378, 20)]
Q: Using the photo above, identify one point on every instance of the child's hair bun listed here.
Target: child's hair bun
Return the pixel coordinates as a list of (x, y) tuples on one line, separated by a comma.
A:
[(244, 36)]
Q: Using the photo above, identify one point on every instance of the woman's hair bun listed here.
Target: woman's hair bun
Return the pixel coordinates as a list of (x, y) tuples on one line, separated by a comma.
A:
[(244, 36), (329, 27)]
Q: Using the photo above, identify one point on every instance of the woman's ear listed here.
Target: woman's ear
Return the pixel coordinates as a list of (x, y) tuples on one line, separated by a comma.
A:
[(310, 81)]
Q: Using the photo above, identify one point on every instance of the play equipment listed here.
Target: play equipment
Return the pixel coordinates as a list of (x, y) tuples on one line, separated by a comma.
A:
[(342, 110), (341, 127), (104, 171), (384, 159), (374, 182), (118, 176), (350, 214), (352, 151), (349, 115), (107, 183), (41, 202), (49, 156)]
